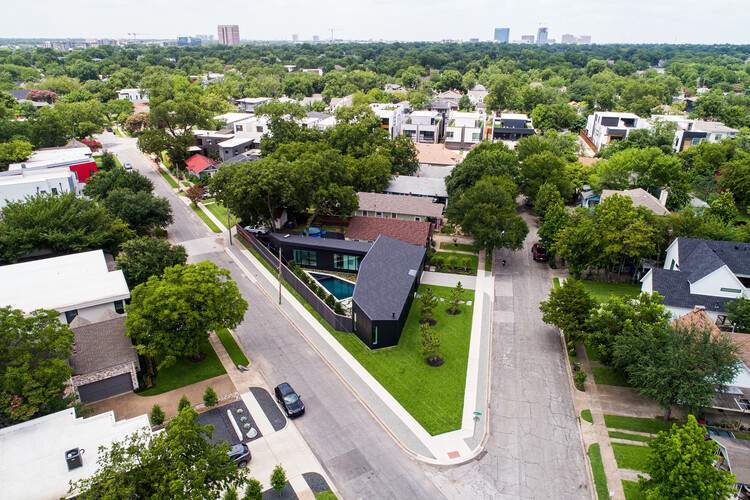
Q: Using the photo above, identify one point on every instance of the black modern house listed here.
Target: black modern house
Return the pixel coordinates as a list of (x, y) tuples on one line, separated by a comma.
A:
[(387, 280), (511, 127), (326, 254)]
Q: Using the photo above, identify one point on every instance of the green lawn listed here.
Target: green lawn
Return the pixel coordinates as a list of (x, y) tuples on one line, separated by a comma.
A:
[(586, 415), (591, 353), (433, 395), (167, 177), (600, 476), (605, 375), (325, 495), (650, 425), (633, 490), (472, 262), (185, 372), (629, 436), (234, 350), (462, 247), (220, 212), (488, 261), (213, 227), (556, 282), (98, 160), (631, 456), (601, 291)]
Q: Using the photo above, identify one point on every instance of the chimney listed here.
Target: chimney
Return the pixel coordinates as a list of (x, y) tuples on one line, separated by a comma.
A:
[(663, 197)]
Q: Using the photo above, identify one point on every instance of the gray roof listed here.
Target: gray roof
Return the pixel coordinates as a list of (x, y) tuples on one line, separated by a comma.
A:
[(675, 288), (321, 243), (738, 455), (386, 277), (99, 346), (240, 158), (419, 186), (400, 204), (693, 252), (19, 94)]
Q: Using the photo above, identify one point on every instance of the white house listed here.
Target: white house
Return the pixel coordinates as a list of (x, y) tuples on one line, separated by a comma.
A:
[(704, 273), (76, 285), (228, 119), (477, 94), (39, 458), (391, 116), (248, 104), (251, 126), (133, 95), (423, 126), (692, 132), (604, 127), (464, 129), (17, 185), (511, 127)]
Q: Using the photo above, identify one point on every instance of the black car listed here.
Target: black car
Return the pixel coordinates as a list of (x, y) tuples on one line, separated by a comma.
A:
[(240, 454), (289, 400)]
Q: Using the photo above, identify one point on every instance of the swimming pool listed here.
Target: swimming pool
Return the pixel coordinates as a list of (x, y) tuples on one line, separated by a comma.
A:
[(341, 289)]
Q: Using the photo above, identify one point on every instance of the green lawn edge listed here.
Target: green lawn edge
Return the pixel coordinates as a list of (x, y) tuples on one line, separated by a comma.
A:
[(604, 375), (631, 456), (233, 349), (632, 490), (211, 225), (629, 436), (637, 424), (587, 416), (167, 177), (597, 469), (461, 247)]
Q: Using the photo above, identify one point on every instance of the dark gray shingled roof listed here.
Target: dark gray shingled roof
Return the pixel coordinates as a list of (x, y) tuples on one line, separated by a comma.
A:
[(386, 276), (99, 346), (693, 252), (675, 288), (321, 243)]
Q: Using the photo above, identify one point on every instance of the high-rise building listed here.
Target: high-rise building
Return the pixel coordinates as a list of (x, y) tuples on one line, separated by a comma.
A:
[(316, 38), (502, 35), (229, 34), (295, 37), (584, 40), (567, 38), (541, 35), (576, 40), (527, 39)]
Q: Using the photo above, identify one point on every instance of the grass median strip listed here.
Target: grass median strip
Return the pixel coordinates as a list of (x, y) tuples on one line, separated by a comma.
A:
[(629, 436), (631, 456), (170, 180), (233, 349), (597, 468), (213, 227)]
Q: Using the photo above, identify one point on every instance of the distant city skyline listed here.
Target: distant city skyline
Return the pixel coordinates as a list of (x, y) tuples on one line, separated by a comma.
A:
[(615, 21)]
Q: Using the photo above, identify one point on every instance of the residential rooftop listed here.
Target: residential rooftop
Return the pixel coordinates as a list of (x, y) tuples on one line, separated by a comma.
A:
[(99, 346), (399, 204), (321, 243), (437, 154), (419, 186), (640, 198), (369, 228)]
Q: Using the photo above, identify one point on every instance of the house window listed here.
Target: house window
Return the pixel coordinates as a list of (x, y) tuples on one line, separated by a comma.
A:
[(375, 336), (305, 257), (393, 216), (71, 315), (418, 219), (346, 262), (378, 214), (238, 128), (119, 307), (54, 190), (731, 290), (671, 266), (475, 136)]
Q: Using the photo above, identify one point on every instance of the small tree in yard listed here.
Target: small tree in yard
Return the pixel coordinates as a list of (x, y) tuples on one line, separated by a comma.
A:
[(108, 161), (457, 295), (681, 465), (157, 415), (253, 490), (568, 308), (184, 403), (230, 494), (278, 478), (209, 397), (430, 344), (429, 303), (195, 193)]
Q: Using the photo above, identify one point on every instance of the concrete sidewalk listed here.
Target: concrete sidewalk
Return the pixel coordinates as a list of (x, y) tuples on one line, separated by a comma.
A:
[(446, 449)]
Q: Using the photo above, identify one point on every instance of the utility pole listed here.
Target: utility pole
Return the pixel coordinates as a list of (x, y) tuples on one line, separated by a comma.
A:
[(229, 225), (279, 274)]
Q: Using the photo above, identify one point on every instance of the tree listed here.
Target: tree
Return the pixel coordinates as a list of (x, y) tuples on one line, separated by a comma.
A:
[(555, 219), (457, 296), (547, 195), (429, 344), (335, 200), (195, 193), (143, 257), (118, 110), (735, 177), (559, 116), (568, 308), (157, 415), (34, 370), (428, 303), (278, 478), (108, 161), (179, 462), (104, 181), (210, 398), (724, 207), (675, 365), (464, 104), (738, 313), (253, 490), (201, 297), (403, 155), (545, 167), (230, 494), (60, 223), (142, 211), (14, 151), (681, 466), (563, 145), (487, 159), (183, 403), (136, 122)]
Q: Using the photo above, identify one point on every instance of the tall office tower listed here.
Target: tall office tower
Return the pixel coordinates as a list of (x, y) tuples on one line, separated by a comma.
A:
[(528, 39), (502, 35), (295, 37), (584, 40), (569, 39), (541, 36), (229, 34)]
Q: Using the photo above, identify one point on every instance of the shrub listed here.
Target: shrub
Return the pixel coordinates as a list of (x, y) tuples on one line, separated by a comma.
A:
[(157, 415), (209, 397), (330, 301), (338, 308), (580, 380), (108, 161), (230, 494), (253, 490), (278, 478), (184, 403)]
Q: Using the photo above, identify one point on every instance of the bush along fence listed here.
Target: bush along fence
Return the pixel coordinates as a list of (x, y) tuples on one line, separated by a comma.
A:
[(315, 295)]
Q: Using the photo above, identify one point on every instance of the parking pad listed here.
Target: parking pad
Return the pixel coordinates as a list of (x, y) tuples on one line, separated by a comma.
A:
[(270, 408), (286, 494), (223, 428)]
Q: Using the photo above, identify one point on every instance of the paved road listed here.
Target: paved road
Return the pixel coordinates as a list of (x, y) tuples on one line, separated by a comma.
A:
[(361, 458), (534, 449)]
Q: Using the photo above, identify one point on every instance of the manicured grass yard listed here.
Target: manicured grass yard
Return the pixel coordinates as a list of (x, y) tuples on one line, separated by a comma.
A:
[(219, 212), (600, 476), (213, 227), (185, 372), (433, 395), (325, 495), (632, 490), (629, 436), (170, 180), (605, 375), (601, 291), (234, 350), (586, 415), (472, 262), (631, 456), (462, 247), (650, 425)]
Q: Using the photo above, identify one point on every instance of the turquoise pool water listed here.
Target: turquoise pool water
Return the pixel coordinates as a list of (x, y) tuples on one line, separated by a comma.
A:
[(341, 289)]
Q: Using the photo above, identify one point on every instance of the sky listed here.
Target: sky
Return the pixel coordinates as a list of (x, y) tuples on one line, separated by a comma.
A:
[(607, 21)]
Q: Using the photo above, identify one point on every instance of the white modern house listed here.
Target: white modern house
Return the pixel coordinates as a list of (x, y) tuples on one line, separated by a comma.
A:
[(77, 285), (133, 95), (252, 125), (511, 127), (248, 104), (391, 116), (464, 129), (702, 273), (39, 458), (604, 127), (692, 132), (423, 126), (17, 185)]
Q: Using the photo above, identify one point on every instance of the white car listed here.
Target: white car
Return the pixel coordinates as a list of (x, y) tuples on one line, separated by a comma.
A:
[(256, 229), (128, 166)]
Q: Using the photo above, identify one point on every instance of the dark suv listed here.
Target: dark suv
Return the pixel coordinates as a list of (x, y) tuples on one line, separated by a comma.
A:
[(539, 253), (240, 454), (289, 400)]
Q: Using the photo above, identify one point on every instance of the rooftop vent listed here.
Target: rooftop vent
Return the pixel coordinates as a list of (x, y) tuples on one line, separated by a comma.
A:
[(74, 458)]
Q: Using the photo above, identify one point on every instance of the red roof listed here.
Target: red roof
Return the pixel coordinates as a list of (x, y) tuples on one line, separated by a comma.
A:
[(198, 163), (369, 228)]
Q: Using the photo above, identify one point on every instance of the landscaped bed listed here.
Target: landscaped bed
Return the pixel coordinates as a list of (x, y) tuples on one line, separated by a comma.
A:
[(450, 262), (186, 372), (433, 396), (597, 469)]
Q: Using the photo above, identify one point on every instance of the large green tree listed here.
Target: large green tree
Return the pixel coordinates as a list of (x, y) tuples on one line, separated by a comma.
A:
[(104, 181), (560, 116), (142, 211), (541, 168), (487, 159), (141, 258), (179, 462), (735, 177), (568, 308), (34, 369)]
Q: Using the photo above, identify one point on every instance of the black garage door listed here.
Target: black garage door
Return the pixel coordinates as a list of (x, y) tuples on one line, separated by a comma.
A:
[(105, 388)]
